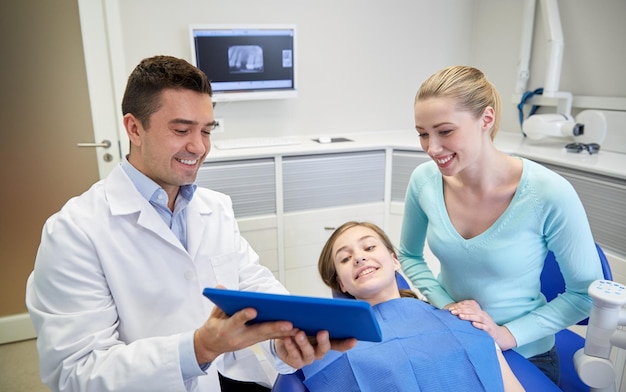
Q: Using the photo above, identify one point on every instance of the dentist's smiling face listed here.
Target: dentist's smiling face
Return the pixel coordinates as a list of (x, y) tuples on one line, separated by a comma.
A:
[(172, 148), (365, 267)]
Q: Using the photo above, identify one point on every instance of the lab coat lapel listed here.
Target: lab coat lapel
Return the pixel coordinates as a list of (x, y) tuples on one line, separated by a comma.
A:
[(197, 222), (124, 199)]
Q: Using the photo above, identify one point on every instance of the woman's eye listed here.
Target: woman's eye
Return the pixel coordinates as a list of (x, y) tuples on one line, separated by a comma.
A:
[(445, 132)]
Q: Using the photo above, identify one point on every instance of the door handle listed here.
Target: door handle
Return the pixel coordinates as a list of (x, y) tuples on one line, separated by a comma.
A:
[(105, 144)]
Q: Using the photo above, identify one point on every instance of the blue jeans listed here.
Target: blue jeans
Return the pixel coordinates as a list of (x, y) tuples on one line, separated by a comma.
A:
[(549, 364)]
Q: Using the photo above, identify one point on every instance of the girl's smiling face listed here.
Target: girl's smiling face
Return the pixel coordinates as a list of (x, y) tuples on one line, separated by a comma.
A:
[(365, 267)]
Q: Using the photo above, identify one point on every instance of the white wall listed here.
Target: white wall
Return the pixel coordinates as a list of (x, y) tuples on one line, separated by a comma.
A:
[(594, 54), (359, 62)]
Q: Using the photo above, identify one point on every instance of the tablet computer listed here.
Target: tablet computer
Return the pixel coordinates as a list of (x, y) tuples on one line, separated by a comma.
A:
[(342, 318)]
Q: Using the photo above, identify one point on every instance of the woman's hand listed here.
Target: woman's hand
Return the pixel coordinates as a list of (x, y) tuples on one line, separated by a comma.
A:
[(470, 310)]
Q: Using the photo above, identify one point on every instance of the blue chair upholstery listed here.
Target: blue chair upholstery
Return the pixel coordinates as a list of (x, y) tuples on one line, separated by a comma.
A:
[(567, 342)]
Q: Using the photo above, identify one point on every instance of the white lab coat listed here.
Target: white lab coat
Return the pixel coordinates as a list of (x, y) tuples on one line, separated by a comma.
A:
[(113, 288)]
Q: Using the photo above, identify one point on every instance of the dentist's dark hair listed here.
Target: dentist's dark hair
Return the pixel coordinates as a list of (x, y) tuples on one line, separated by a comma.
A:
[(155, 74)]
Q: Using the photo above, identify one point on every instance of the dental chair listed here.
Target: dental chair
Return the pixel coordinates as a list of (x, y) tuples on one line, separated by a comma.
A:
[(567, 341), (528, 374)]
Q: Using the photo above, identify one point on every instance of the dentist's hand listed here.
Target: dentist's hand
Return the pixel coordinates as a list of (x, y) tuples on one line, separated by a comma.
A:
[(220, 333), (470, 310), (299, 350)]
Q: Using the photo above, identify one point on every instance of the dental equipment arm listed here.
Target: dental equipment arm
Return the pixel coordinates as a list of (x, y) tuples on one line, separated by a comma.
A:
[(593, 362)]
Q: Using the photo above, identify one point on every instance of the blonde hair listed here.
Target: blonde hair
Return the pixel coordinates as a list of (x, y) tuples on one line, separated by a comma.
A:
[(326, 262), (468, 86)]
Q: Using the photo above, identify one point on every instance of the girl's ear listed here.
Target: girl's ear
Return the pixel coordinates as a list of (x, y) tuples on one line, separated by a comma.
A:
[(396, 262), (343, 290)]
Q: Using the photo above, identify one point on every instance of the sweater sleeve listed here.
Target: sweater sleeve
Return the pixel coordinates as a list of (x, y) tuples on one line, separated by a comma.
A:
[(413, 238), (568, 235)]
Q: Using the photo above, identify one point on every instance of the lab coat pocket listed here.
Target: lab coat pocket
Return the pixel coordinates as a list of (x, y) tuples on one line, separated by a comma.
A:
[(226, 269)]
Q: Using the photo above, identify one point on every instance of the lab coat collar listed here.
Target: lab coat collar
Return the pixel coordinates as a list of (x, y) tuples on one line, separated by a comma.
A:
[(125, 199)]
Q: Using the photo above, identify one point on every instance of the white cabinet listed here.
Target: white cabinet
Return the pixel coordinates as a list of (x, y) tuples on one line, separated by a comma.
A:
[(262, 234), (403, 162), (287, 206), (251, 184), (305, 235), (321, 192)]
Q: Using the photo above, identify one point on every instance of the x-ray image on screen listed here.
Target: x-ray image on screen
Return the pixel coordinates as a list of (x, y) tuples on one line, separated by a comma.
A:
[(246, 62), (245, 59)]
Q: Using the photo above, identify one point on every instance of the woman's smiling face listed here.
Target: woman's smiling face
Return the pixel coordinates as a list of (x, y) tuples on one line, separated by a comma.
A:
[(451, 137)]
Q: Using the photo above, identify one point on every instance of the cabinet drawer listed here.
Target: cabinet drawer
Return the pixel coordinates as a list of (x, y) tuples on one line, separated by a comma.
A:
[(307, 232), (262, 235), (314, 227), (329, 180), (402, 165), (251, 184), (604, 199), (306, 281)]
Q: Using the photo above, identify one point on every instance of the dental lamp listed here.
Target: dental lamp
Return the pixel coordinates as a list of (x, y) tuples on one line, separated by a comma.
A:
[(593, 362), (588, 127)]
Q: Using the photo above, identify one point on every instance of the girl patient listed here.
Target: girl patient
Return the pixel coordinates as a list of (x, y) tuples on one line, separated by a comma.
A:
[(423, 348)]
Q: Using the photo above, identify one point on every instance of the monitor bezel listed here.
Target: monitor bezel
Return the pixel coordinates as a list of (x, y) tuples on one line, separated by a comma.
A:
[(247, 95)]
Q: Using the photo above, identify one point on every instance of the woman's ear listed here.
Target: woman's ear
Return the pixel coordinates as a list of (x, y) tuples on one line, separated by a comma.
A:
[(488, 119)]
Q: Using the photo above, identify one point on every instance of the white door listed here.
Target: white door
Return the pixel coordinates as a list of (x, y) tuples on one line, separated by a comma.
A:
[(102, 45)]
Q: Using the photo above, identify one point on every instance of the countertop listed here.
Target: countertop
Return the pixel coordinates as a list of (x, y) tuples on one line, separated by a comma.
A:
[(606, 163)]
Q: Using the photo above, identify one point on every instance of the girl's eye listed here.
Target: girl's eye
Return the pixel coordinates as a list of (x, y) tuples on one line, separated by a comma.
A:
[(344, 259), (370, 248)]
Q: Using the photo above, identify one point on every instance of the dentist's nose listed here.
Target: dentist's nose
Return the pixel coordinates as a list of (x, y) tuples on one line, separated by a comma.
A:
[(197, 144)]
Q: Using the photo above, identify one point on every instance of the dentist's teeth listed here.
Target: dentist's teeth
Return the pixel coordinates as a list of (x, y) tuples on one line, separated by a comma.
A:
[(188, 161)]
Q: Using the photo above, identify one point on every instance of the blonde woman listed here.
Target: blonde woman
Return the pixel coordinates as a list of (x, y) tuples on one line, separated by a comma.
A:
[(490, 218)]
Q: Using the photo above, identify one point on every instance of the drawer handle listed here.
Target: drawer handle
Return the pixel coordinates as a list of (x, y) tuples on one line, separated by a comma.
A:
[(329, 228)]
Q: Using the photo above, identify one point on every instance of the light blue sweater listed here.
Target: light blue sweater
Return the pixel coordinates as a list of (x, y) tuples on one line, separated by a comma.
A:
[(500, 268)]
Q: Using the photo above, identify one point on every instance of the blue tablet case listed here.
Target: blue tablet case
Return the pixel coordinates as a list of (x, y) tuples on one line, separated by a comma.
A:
[(342, 318)]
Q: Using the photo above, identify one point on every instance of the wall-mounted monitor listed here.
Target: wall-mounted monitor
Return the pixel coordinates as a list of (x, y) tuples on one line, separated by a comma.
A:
[(246, 62)]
